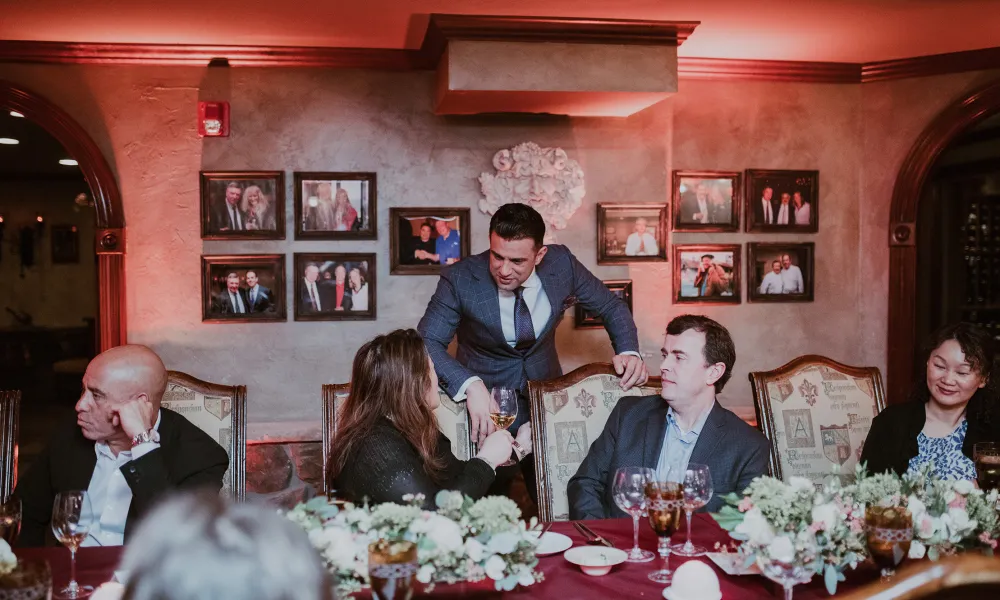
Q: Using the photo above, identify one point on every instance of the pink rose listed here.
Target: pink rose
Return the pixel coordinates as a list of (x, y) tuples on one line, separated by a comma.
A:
[(745, 504), (958, 502), (985, 538)]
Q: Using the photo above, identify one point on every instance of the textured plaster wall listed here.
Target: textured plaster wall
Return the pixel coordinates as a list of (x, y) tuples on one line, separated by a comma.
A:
[(54, 295)]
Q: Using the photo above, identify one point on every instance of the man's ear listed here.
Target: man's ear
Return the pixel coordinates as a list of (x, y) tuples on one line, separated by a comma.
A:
[(541, 255), (715, 373)]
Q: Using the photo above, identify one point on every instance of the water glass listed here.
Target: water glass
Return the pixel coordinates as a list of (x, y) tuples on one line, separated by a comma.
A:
[(697, 493), (629, 491)]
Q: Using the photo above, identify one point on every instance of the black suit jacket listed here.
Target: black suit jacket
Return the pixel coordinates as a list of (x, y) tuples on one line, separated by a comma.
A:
[(734, 452), (758, 211), (327, 291), (187, 458), (224, 305), (263, 302), (221, 219)]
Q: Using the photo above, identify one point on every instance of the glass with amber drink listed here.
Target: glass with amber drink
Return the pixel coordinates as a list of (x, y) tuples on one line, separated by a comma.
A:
[(889, 531), (665, 504), (987, 458), (392, 569)]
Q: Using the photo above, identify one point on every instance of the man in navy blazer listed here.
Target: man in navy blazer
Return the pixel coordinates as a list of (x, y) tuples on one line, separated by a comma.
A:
[(684, 424), (505, 304), (258, 296)]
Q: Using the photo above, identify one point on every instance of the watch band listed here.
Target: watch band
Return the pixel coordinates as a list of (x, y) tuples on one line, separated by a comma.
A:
[(519, 450), (150, 435)]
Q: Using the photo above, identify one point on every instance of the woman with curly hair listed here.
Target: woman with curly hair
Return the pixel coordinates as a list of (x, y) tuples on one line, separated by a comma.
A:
[(344, 214), (953, 408), (257, 208)]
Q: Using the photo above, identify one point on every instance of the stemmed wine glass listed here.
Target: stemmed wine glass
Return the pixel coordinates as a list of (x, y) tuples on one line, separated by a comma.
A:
[(10, 519), (629, 491), (392, 567), (503, 411), (665, 499), (71, 520), (697, 493)]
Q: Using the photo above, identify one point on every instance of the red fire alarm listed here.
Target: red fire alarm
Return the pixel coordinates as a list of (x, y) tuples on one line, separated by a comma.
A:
[(213, 119)]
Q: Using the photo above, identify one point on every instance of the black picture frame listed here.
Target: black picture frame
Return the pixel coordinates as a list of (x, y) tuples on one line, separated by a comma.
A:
[(400, 250), (215, 219), (269, 270), (759, 257), (585, 319), (314, 222), (327, 289), (781, 182)]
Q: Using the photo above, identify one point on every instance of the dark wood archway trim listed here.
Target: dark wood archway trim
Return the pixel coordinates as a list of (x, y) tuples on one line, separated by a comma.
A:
[(107, 201), (948, 125)]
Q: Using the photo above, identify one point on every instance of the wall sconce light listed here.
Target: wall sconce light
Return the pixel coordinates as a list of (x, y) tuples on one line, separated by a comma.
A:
[(213, 119), (40, 224)]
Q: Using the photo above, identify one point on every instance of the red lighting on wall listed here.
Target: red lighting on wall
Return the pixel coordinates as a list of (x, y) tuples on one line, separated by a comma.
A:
[(213, 119)]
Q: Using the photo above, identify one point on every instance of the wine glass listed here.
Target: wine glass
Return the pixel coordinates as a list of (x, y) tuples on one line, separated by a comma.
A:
[(697, 493), (664, 501), (71, 519), (787, 575), (10, 519), (889, 532), (392, 567), (503, 411), (629, 491), (987, 459)]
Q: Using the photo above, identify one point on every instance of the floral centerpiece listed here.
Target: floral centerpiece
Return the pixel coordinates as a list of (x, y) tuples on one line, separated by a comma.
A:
[(815, 530), (463, 540), (948, 515)]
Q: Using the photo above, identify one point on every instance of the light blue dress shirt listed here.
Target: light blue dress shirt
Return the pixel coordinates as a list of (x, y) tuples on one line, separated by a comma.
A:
[(677, 447)]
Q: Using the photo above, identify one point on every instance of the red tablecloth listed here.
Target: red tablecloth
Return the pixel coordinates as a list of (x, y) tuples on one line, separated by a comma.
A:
[(563, 580)]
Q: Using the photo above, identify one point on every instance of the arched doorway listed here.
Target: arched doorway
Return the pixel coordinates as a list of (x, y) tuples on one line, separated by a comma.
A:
[(906, 196), (111, 330)]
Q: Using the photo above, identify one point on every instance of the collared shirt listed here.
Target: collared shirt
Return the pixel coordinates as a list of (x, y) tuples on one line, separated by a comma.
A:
[(646, 240), (703, 210), (678, 446), (783, 215), (110, 495), (252, 294), (768, 215), (314, 294), (802, 214), (791, 281), (234, 216), (237, 302), (772, 283), (448, 247)]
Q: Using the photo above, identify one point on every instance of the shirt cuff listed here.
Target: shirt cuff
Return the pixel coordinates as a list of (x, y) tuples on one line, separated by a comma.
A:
[(630, 352), (143, 449), (460, 395)]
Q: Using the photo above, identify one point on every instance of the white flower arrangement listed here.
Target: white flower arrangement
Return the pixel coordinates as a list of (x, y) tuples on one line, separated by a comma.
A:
[(462, 541), (818, 528), (8, 561)]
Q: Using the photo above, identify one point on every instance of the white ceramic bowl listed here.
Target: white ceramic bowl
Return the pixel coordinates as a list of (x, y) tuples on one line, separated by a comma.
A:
[(595, 560)]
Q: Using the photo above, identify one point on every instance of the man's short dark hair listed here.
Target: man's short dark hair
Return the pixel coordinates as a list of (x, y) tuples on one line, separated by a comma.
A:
[(719, 347), (517, 221), (708, 256)]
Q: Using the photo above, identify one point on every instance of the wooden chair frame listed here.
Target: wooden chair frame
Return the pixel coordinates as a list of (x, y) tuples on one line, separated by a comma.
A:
[(238, 450), (10, 421), (924, 579), (765, 418), (536, 392)]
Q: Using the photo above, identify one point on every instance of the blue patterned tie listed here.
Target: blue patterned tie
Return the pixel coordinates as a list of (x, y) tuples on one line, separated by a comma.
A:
[(524, 329)]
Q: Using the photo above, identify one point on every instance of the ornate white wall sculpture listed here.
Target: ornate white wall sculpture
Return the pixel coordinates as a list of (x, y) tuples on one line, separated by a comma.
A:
[(544, 178)]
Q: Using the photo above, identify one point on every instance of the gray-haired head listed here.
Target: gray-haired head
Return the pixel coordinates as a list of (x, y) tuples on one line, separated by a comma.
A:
[(201, 547)]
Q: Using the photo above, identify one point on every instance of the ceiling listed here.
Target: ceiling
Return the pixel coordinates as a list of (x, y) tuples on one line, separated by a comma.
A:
[(815, 30), (37, 155)]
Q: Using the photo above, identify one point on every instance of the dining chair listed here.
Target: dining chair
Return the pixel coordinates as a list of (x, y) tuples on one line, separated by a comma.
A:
[(567, 414), (221, 412), (817, 413), (970, 575), (10, 418), (452, 419)]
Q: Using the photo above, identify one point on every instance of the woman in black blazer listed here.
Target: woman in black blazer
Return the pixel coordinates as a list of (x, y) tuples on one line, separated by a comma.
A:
[(954, 407), (388, 444)]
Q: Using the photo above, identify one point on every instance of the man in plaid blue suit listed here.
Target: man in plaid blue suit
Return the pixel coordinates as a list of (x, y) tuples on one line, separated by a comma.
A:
[(505, 304)]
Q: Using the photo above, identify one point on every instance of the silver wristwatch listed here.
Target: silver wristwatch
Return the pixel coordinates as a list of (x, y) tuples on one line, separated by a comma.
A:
[(150, 435), (519, 450)]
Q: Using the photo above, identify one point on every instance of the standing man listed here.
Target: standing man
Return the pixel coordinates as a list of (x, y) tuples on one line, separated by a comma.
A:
[(233, 300), (764, 208), (258, 296), (772, 283), (309, 294), (505, 304), (229, 217), (447, 246), (791, 277), (711, 279), (785, 215), (694, 209)]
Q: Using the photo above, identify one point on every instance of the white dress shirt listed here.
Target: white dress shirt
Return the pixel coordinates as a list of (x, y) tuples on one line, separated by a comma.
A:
[(234, 216), (802, 214), (234, 297), (314, 292), (648, 242), (703, 210), (783, 215), (791, 281), (772, 283), (768, 214), (110, 495)]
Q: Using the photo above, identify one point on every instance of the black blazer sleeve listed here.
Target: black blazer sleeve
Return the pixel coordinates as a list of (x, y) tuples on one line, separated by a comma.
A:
[(588, 487), (37, 495)]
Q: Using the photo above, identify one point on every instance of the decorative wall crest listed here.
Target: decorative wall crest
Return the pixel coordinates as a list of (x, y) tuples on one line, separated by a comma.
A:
[(544, 178)]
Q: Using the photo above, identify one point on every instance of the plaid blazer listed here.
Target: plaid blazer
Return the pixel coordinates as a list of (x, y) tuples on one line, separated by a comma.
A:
[(467, 302)]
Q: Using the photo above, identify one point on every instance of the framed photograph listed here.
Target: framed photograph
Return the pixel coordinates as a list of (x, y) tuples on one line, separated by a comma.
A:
[(243, 205), (243, 288), (780, 272), (631, 232), (335, 206), (586, 319), (422, 240), (65, 244), (706, 201), (782, 201), (334, 287), (707, 274)]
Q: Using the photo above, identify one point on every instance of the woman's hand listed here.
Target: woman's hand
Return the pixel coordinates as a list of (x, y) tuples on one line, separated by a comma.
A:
[(524, 437), (497, 447)]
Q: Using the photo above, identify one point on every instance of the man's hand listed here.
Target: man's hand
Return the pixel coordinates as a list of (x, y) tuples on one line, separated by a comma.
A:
[(478, 401), (632, 370), (135, 416)]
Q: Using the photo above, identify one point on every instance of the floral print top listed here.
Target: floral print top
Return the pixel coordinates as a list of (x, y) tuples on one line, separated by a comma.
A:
[(945, 454)]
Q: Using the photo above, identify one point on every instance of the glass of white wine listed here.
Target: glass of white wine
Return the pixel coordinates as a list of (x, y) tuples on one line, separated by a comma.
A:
[(503, 411), (71, 519)]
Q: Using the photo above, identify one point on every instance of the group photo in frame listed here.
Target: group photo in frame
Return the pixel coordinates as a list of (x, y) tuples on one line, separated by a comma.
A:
[(243, 288), (422, 240), (706, 201), (780, 272), (782, 201), (587, 319), (707, 274), (332, 286), (335, 206), (631, 232), (242, 205)]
